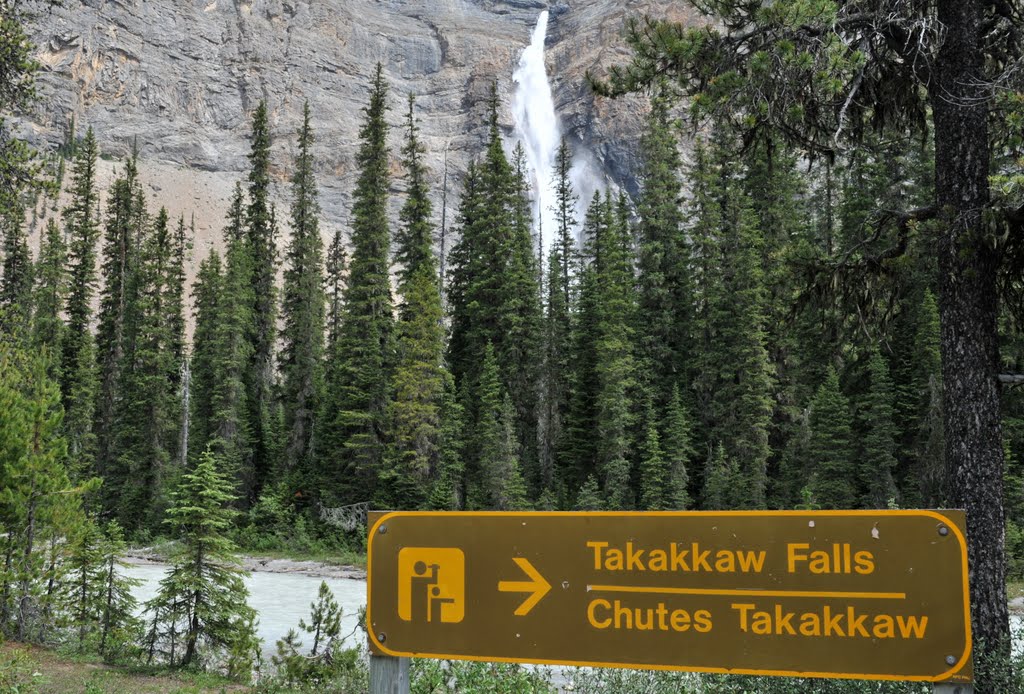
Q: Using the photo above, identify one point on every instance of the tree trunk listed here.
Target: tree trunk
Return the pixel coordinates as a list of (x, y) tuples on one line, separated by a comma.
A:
[(5, 593), (83, 612), (193, 632), (968, 311), (105, 623), (51, 589), (25, 597)]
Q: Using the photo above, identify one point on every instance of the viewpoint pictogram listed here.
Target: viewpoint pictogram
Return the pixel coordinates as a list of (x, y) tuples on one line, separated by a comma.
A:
[(431, 584)]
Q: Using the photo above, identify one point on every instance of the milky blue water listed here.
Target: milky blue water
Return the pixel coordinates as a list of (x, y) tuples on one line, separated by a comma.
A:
[(279, 599)]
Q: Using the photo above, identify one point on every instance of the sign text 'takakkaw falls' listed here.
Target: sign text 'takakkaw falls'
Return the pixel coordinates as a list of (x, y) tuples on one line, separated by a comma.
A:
[(872, 594)]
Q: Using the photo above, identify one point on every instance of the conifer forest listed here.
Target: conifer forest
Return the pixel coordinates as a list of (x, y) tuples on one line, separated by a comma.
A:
[(813, 302)]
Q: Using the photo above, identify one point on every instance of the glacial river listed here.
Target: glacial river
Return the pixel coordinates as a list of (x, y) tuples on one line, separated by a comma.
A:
[(280, 600)]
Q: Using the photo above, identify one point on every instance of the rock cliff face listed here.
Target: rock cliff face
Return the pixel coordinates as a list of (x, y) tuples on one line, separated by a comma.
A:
[(181, 78)]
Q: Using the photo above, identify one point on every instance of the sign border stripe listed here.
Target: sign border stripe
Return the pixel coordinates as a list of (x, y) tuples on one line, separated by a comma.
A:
[(936, 514)]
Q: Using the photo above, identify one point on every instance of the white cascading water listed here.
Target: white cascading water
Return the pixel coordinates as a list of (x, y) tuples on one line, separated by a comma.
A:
[(537, 127)]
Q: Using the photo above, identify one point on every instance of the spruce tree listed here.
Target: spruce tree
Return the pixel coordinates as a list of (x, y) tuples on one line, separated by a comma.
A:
[(557, 321), (564, 242), (207, 293), (202, 598), (148, 414), (499, 484), (78, 354), (654, 469), (302, 309), (722, 481), (174, 305), (833, 478), (418, 387), (363, 356), (468, 293), (494, 295), (579, 449), (84, 566), (414, 238), (779, 200), (231, 435), (614, 365), (49, 294), (679, 452), (16, 274), (589, 497), (929, 447), (221, 353), (260, 233), (448, 491), (122, 234), (520, 320), (554, 402), (664, 318), (334, 285), (736, 375), (877, 457), (119, 624)]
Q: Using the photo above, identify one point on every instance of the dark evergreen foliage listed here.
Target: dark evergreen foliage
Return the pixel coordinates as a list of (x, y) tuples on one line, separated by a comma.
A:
[(362, 357), (261, 240), (16, 274), (302, 309), (419, 379), (78, 350), (200, 613)]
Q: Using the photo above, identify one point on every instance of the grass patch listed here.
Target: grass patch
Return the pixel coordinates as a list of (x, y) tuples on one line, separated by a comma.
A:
[(1014, 589), (30, 669)]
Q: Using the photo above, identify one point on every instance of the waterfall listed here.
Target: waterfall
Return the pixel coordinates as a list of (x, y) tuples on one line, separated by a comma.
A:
[(539, 129)]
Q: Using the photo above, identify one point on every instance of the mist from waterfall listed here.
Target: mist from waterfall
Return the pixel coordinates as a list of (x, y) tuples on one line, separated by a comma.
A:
[(539, 129)]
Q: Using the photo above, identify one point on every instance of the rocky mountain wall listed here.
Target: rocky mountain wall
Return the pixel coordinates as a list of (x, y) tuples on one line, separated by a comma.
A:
[(181, 77)]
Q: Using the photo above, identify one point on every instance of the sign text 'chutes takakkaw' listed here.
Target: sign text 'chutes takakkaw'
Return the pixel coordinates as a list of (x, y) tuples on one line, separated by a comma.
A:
[(859, 594)]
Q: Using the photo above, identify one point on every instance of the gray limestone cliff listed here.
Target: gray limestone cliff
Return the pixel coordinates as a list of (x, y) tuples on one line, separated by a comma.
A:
[(181, 77)]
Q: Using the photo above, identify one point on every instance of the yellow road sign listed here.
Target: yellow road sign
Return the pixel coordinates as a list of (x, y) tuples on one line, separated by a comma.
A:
[(858, 594)]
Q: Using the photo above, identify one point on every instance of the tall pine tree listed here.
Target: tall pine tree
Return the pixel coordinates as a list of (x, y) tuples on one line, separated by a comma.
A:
[(363, 357), (665, 315), (49, 294), (302, 308), (554, 402), (736, 373), (494, 295), (122, 235), (148, 415), (499, 482), (16, 274), (419, 380), (261, 230), (877, 456), (78, 359), (833, 476)]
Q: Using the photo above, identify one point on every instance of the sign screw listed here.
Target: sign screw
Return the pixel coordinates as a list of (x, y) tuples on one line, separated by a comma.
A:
[(943, 530), (383, 529), (950, 659), (382, 637)]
